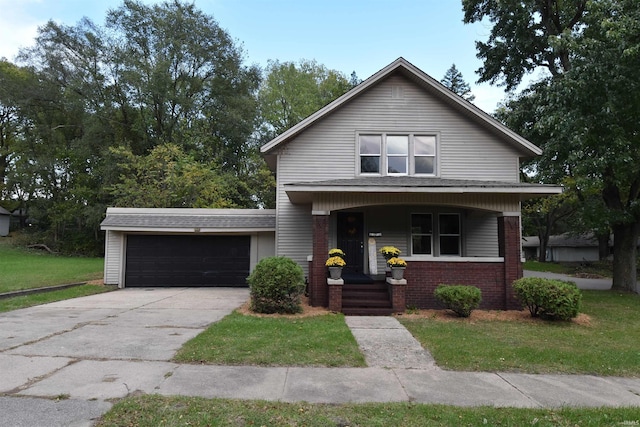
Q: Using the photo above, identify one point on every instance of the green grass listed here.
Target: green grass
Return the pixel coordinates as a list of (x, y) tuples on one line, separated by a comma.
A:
[(22, 269), (15, 303), (156, 410), (247, 340), (608, 346), (595, 268)]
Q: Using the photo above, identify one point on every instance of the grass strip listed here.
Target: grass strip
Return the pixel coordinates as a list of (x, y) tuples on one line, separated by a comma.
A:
[(606, 346), (25, 301), (248, 340), (22, 269), (153, 410)]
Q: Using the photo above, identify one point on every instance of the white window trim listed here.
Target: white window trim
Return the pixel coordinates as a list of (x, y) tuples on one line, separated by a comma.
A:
[(459, 235), (410, 158)]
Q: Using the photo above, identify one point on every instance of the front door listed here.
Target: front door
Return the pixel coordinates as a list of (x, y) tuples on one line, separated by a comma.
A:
[(350, 239)]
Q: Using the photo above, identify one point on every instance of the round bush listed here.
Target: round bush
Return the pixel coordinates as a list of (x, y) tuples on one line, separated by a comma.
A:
[(459, 298), (547, 298), (276, 285)]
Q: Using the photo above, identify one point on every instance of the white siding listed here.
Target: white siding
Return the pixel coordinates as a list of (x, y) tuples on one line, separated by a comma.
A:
[(265, 245), (481, 235), (113, 257), (327, 150)]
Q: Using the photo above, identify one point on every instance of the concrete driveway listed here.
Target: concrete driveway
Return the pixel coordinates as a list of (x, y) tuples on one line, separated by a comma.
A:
[(92, 349), (128, 324)]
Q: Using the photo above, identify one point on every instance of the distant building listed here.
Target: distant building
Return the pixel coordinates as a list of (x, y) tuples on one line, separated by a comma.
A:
[(564, 248)]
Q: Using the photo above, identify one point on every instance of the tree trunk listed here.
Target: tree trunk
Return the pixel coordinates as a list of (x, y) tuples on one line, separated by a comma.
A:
[(603, 246), (543, 238), (625, 255)]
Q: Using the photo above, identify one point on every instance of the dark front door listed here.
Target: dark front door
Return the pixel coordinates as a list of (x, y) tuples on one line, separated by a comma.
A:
[(187, 260), (350, 230)]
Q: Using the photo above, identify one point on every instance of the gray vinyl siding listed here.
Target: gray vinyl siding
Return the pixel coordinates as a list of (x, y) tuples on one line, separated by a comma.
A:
[(327, 150), (113, 257), (481, 235)]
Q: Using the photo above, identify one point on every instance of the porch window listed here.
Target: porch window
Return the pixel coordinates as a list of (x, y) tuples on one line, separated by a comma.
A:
[(449, 234), (397, 154), (421, 234)]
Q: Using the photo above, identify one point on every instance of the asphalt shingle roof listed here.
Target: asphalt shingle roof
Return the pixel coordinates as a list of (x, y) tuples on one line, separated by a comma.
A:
[(191, 221)]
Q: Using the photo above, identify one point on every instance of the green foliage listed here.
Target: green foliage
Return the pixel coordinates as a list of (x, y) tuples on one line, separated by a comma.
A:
[(152, 410), (584, 115), (550, 299), (275, 341), (524, 36), (461, 299), (601, 341), (454, 81), (26, 269), (16, 303), (290, 92), (276, 284)]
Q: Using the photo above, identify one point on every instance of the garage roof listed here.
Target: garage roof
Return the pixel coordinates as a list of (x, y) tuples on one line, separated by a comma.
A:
[(189, 220)]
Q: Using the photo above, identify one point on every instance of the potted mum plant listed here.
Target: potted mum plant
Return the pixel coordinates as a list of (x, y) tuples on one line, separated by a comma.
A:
[(389, 252), (398, 265), (335, 263)]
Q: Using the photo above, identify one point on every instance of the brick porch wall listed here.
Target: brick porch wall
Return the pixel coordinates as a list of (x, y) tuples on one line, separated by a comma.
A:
[(509, 248), (423, 277), (318, 289)]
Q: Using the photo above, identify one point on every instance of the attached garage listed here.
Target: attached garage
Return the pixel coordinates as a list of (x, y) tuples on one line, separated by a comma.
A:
[(185, 247)]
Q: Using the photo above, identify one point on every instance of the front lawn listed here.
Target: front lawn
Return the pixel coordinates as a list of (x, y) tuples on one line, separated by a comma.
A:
[(23, 269), (15, 303), (238, 339), (156, 410), (607, 345)]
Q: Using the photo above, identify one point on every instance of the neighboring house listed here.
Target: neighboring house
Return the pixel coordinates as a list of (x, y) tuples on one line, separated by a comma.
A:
[(5, 220), (398, 160), (565, 248)]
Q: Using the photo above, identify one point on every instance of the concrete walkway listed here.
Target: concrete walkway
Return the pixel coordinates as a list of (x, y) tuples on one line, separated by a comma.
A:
[(64, 363)]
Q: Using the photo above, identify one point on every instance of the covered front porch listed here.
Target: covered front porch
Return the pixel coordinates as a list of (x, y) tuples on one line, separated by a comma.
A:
[(456, 232)]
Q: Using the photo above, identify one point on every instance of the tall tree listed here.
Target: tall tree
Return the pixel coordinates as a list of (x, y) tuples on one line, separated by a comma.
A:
[(454, 81), (585, 114), (290, 92), (153, 76)]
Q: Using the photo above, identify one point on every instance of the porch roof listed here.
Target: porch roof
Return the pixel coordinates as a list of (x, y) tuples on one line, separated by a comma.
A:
[(302, 192)]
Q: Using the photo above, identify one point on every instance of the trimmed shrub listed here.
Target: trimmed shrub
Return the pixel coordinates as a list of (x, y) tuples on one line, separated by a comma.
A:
[(547, 298), (459, 298), (276, 285)]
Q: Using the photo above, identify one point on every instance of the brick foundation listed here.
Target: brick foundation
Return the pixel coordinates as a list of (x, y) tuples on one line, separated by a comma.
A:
[(335, 294), (424, 277)]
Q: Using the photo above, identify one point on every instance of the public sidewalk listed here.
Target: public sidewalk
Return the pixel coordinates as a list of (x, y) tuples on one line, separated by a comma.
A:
[(65, 363)]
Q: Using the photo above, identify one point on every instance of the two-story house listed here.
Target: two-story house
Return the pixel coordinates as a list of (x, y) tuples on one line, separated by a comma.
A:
[(398, 160)]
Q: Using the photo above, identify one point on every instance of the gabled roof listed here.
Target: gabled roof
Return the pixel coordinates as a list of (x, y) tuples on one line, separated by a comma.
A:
[(428, 83), (3, 211)]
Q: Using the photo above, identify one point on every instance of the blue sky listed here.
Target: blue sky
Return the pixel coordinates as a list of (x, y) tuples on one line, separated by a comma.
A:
[(345, 35)]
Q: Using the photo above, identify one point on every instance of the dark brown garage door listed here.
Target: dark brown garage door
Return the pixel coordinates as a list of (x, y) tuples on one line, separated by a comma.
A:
[(187, 260)]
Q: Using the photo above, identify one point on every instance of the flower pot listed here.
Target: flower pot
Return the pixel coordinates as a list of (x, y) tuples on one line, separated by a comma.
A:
[(397, 273), (335, 272)]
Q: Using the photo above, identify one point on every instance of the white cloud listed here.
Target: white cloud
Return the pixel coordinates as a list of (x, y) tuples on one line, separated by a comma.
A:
[(17, 28)]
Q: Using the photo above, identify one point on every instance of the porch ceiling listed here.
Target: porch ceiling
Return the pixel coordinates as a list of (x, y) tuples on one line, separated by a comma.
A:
[(307, 192)]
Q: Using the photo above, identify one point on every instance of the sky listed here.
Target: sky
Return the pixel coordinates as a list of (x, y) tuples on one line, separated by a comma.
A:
[(345, 35)]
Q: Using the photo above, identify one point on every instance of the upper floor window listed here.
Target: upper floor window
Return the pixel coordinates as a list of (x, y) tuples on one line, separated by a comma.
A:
[(397, 154)]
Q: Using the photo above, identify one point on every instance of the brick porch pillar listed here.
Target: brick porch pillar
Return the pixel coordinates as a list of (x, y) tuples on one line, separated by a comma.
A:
[(509, 247), (318, 288)]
